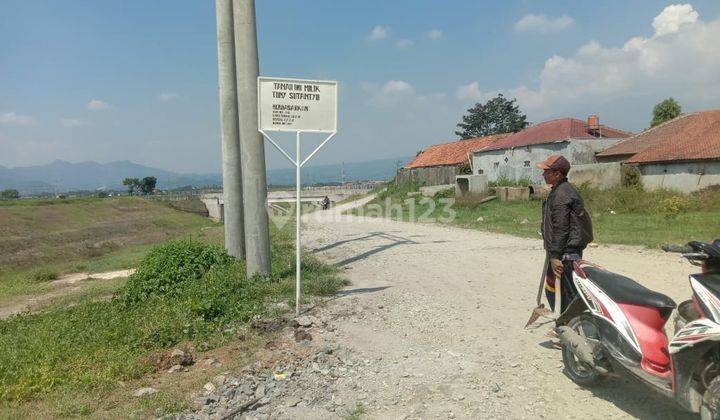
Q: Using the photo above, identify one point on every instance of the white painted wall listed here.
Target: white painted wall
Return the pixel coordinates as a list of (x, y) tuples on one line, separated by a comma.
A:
[(683, 177), (519, 163)]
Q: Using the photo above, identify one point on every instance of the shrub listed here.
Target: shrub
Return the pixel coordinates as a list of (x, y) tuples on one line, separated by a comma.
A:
[(675, 205), (631, 176), (167, 266), (44, 275)]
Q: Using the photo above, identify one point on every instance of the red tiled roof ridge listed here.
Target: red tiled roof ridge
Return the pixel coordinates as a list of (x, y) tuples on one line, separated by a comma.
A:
[(564, 130)]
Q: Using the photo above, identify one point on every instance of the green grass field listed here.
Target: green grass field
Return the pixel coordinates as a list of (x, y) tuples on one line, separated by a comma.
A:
[(74, 358), (620, 216), (82, 235)]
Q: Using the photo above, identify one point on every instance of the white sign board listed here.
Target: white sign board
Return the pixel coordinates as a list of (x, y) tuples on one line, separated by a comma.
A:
[(297, 105)]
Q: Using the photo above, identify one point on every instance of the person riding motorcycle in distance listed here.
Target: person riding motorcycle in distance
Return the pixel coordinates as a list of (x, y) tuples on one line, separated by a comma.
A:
[(566, 230)]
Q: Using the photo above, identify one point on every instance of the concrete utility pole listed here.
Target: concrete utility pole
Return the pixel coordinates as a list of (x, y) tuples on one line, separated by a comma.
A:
[(232, 174), (257, 230)]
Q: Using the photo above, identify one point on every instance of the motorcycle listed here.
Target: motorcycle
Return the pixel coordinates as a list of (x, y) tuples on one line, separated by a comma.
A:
[(615, 325)]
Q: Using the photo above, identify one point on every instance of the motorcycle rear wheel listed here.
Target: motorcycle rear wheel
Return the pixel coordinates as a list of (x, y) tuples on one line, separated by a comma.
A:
[(710, 408), (579, 372)]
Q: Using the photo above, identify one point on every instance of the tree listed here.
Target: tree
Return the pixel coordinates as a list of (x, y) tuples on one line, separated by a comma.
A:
[(147, 185), (10, 194), (498, 115), (132, 184), (665, 111)]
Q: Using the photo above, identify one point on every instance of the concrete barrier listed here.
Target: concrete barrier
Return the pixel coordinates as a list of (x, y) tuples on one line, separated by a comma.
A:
[(513, 193), (598, 175), (468, 185), (430, 191)]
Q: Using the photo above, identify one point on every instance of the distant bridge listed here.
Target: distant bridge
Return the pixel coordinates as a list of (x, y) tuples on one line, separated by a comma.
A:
[(215, 203)]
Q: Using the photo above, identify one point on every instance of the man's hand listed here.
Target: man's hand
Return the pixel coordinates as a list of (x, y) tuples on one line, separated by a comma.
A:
[(557, 267)]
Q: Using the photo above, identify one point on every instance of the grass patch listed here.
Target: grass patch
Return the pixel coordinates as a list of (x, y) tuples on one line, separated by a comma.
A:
[(184, 292), (43, 275), (621, 215), (84, 234)]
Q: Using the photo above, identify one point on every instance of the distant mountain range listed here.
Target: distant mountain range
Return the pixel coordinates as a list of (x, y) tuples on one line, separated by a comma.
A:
[(62, 176)]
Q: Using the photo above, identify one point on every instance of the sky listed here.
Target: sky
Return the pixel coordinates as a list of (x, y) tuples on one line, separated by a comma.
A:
[(137, 80)]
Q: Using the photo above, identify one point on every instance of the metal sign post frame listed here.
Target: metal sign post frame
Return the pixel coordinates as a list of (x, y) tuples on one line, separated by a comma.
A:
[(298, 164)]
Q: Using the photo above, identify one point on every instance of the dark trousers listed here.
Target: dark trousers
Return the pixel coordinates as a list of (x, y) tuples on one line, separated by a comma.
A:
[(567, 286)]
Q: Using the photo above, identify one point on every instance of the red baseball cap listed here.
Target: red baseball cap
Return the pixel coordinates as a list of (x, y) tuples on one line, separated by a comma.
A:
[(555, 163)]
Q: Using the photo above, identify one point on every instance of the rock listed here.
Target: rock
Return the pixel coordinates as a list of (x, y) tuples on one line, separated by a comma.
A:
[(209, 387), (246, 389), (305, 321), (176, 368), (480, 219), (179, 357), (263, 324), (524, 221), (260, 391), (143, 392), (593, 245), (211, 399), (220, 380), (302, 335), (293, 401)]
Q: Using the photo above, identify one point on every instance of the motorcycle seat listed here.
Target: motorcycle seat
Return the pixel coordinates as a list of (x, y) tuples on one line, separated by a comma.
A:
[(623, 289)]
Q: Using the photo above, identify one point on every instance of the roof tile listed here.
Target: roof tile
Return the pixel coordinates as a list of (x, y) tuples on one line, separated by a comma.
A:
[(688, 137), (451, 153)]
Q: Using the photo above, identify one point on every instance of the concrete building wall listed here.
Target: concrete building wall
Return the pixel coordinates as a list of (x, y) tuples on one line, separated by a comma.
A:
[(599, 175), (519, 163), (683, 177), (433, 175)]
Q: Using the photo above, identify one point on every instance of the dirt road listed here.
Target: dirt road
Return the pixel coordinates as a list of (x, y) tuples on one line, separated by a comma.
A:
[(434, 325), (66, 285)]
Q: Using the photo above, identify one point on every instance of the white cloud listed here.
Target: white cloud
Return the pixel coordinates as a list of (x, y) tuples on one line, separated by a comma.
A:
[(378, 32), (681, 59), (72, 122), (469, 92), (543, 24), (167, 96), (472, 93), (405, 43), (434, 34), (401, 94), (674, 16), (97, 105), (397, 87), (11, 118)]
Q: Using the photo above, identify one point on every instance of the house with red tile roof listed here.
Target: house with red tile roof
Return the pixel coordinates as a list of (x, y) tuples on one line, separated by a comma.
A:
[(681, 154), (514, 157), (438, 164)]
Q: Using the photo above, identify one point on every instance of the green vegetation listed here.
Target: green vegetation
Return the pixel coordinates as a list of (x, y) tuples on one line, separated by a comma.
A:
[(621, 215), (145, 186), (183, 292), (85, 234), (9, 194), (44, 274), (357, 413), (665, 111), (497, 116)]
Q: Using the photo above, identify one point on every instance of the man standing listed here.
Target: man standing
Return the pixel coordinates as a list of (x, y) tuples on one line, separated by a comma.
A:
[(566, 230)]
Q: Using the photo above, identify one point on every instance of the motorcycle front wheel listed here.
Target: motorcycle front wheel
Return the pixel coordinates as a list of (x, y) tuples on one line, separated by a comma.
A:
[(578, 371)]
